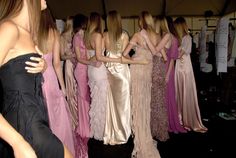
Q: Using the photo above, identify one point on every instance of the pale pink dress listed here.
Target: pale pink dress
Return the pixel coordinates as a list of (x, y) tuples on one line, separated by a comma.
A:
[(58, 111), (186, 92), (83, 99)]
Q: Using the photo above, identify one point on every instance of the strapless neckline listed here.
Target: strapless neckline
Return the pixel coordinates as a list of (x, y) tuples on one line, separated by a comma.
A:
[(17, 58)]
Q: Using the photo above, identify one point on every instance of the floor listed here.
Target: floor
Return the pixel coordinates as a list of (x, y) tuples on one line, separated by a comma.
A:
[(218, 142)]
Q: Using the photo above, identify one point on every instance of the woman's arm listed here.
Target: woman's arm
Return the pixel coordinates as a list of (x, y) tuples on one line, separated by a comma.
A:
[(170, 67), (126, 58), (186, 46), (21, 148), (9, 35), (78, 57), (57, 61)]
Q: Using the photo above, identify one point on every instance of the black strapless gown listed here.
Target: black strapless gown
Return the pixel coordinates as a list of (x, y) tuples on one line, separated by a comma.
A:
[(23, 107)]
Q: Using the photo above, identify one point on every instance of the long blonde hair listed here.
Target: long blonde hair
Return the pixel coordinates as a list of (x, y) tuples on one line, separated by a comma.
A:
[(163, 25), (94, 25), (181, 28), (11, 8), (68, 26), (146, 21), (114, 27)]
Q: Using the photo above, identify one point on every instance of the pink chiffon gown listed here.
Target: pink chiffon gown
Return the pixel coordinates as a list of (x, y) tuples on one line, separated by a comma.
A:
[(172, 109), (83, 99), (58, 112)]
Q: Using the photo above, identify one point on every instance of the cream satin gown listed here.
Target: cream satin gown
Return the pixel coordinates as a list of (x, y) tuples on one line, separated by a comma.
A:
[(118, 114)]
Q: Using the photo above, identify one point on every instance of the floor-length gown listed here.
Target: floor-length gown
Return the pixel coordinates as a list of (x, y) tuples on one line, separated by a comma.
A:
[(118, 125), (159, 117), (99, 88), (23, 107), (58, 111), (70, 82), (83, 99), (186, 92), (172, 109), (141, 82)]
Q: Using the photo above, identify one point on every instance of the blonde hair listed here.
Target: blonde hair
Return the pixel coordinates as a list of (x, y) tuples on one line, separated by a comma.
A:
[(181, 28), (114, 27), (94, 25), (146, 21), (11, 8), (68, 26)]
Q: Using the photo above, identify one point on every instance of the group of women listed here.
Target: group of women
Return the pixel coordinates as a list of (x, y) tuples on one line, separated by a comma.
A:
[(105, 93)]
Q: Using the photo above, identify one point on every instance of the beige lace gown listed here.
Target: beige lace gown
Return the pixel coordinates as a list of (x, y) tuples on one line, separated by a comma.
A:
[(141, 83)]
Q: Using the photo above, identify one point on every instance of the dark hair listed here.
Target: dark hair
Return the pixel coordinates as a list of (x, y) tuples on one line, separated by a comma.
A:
[(80, 21), (47, 23), (171, 26)]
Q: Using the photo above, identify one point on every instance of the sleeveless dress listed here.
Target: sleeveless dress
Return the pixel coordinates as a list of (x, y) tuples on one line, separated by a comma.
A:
[(58, 112), (118, 117), (141, 83), (159, 117), (23, 107), (99, 87), (83, 99)]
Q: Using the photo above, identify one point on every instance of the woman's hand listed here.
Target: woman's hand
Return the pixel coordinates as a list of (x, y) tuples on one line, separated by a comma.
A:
[(22, 149), (36, 64), (93, 62)]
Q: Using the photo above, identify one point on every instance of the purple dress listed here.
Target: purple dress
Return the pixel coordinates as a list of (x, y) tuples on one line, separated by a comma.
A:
[(174, 122), (83, 99), (58, 112)]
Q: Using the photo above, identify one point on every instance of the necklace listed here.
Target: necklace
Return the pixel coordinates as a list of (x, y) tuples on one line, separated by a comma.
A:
[(23, 28)]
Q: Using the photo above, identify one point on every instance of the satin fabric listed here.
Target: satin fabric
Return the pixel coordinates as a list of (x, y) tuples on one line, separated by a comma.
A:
[(174, 122), (186, 92), (118, 125)]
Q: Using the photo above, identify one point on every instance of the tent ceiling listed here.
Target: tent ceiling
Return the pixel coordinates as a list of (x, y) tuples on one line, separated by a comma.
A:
[(127, 8)]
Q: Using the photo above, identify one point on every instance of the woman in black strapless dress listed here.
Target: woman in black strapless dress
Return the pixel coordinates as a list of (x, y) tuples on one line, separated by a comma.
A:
[(22, 104), (23, 107)]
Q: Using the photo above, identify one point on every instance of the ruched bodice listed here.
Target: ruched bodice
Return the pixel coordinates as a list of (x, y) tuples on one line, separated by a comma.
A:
[(23, 107), (14, 77)]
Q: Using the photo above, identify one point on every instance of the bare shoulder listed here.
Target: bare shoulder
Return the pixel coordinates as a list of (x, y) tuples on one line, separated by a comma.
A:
[(125, 35), (97, 35), (8, 30)]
